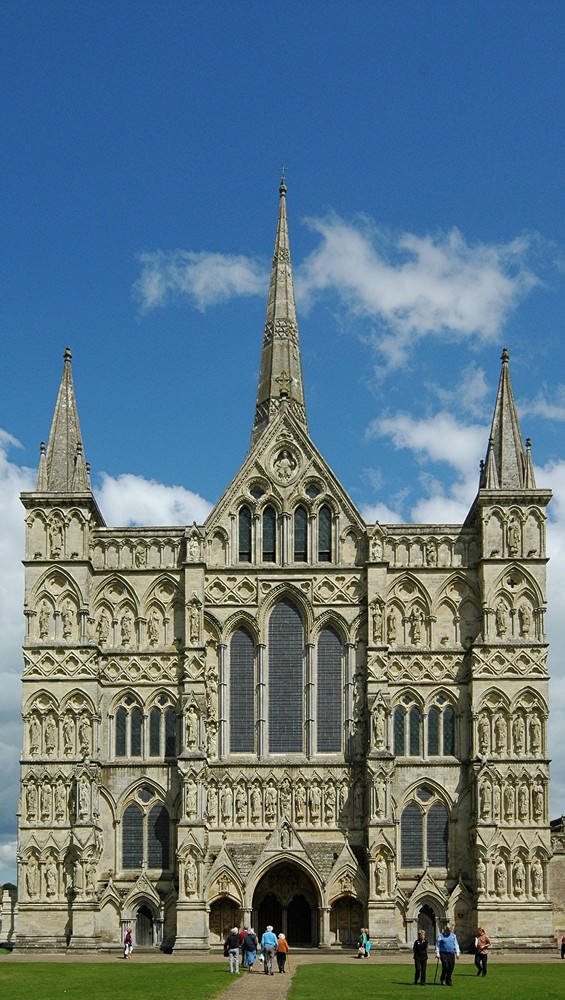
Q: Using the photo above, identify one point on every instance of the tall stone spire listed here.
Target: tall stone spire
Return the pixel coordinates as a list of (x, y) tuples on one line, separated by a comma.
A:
[(280, 376), (62, 468), (508, 465)]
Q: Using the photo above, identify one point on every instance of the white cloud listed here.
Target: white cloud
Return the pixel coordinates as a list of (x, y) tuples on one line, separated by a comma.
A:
[(469, 394), (128, 500), (440, 438), (205, 278), (551, 409)]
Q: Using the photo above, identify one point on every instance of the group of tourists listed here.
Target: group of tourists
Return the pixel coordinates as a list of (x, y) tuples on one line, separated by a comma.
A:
[(447, 951), (245, 942)]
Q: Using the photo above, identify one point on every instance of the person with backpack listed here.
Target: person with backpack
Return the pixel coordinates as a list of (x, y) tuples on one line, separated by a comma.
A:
[(249, 949), (231, 950)]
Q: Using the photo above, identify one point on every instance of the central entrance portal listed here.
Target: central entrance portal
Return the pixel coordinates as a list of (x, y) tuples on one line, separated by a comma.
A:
[(287, 898)]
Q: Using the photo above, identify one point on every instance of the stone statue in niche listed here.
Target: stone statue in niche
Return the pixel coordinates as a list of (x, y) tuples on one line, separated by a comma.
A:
[(192, 726), (191, 799), (226, 804), (513, 537), (212, 804), (270, 804), (300, 803), (284, 465), (380, 798), (519, 734), (153, 627), (519, 878), (377, 622), (45, 801), (359, 802), (60, 800), (193, 549), (212, 695), (50, 734), (44, 620), (55, 539), (523, 803), (379, 728), (84, 736), (31, 877), (83, 795), (483, 734), (508, 801), (536, 874), (194, 622), (68, 735), (90, 878), (241, 805), (190, 876), (391, 626), (380, 876), (416, 624), (34, 735), (501, 619), (285, 798), (537, 802), (499, 734), (140, 556), (496, 800), (285, 838), (50, 878), (255, 805), (315, 798), (103, 626), (329, 803), (376, 548), (126, 628), (212, 739), (535, 734), (500, 878), (524, 620), (485, 800), (431, 554), (481, 875), (31, 801), (67, 620)]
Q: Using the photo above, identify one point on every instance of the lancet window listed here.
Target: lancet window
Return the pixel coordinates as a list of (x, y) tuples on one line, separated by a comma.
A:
[(424, 832), (242, 692), (329, 687), (145, 833), (407, 729)]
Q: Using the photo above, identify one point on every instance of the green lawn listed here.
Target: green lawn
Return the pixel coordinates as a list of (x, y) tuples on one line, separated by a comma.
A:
[(111, 981), (355, 980)]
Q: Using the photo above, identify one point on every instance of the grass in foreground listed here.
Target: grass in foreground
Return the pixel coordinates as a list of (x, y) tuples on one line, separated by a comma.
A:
[(356, 980), (111, 981)]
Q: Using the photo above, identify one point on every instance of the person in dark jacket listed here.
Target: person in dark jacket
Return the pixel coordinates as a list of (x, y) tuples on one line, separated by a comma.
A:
[(231, 950), (420, 951)]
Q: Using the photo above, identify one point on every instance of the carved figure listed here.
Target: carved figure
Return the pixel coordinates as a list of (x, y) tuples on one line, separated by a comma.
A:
[(226, 804), (284, 465), (255, 805), (485, 800), (496, 800), (285, 838), (193, 549), (376, 548), (379, 728), (190, 875), (380, 798), (508, 801), (315, 798), (285, 799), (481, 875), (519, 877), (192, 725), (194, 622), (359, 802), (44, 620), (483, 733), (84, 736), (103, 627), (519, 734), (50, 734), (68, 735), (55, 538), (83, 797), (91, 878), (535, 734), (270, 804), (417, 620), (60, 800), (31, 801), (431, 554), (51, 878), (34, 735), (212, 739), (537, 802), (500, 878), (513, 537), (140, 556), (501, 618), (524, 620), (380, 876), (126, 628), (241, 805), (377, 622), (31, 877), (191, 799), (153, 627), (299, 803), (212, 804), (45, 801), (523, 803), (536, 874), (67, 620), (329, 803), (499, 734), (391, 626)]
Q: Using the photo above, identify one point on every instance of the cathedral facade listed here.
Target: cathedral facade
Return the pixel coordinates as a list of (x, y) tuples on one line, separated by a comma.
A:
[(284, 715)]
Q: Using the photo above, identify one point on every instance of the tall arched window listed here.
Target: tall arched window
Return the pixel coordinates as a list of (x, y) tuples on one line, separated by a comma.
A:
[(128, 734), (269, 535), (399, 731), (415, 724), (158, 837), (244, 523), (411, 837), (324, 534), (121, 724), (136, 720), (407, 728), (329, 686), (132, 837), (162, 730), (433, 732), (448, 732), (300, 535), (286, 679), (437, 836), (145, 833), (424, 832), (242, 692)]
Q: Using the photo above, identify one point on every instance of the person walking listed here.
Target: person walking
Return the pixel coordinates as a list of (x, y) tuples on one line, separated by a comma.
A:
[(447, 950), (482, 945), (282, 952), (367, 943), (361, 943), (231, 950), (563, 946), (420, 951), (249, 947), (268, 947), (128, 943)]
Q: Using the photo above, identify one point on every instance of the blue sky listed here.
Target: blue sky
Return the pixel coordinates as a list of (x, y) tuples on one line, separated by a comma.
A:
[(142, 147)]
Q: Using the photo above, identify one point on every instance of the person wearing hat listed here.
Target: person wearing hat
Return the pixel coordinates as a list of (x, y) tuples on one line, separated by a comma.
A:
[(447, 950)]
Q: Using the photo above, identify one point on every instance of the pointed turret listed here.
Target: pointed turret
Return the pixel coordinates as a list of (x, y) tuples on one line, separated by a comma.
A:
[(280, 376), (508, 464), (62, 468)]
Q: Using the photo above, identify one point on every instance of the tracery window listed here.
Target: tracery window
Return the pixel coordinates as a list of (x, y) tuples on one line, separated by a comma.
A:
[(269, 535), (136, 735), (128, 729), (162, 729), (286, 679), (244, 535), (242, 692), (329, 687), (145, 833), (407, 729), (441, 728), (424, 832), (300, 535), (324, 534)]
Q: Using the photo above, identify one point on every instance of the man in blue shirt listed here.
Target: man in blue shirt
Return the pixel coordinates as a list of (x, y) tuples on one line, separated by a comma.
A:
[(268, 947), (447, 950)]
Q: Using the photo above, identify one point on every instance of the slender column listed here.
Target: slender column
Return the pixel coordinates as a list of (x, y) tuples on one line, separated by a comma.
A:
[(261, 701), (222, 702), (310, 702), (349, 694)]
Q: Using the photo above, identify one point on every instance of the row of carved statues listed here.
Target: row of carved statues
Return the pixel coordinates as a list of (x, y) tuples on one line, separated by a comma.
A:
[(112, 627), (508, 801), (507, 877), (67, 735), (50, 878), (502, 732), (59, 800)]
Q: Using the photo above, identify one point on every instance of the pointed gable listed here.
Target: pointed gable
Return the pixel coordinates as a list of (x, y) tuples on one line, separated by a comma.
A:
[(62, 466), (507, 465)]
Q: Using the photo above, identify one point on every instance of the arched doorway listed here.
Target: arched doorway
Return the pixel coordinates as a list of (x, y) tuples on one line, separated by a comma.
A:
[(347, 917), (144, 936), (287, 897), (427, 922), (224, 914)]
